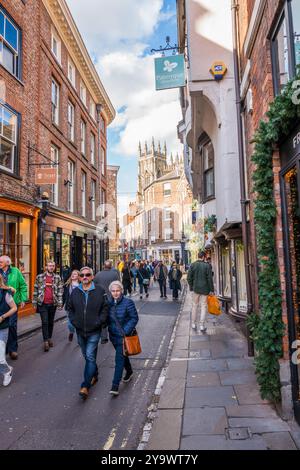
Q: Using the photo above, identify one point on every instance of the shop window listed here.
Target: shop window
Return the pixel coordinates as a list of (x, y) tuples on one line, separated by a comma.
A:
[(241, 277), (8, 139), (10, 49), (225, 271), (66, 251), (49, 247)]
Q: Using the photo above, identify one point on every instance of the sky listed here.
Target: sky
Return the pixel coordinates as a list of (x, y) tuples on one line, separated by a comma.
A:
[(119, 35)]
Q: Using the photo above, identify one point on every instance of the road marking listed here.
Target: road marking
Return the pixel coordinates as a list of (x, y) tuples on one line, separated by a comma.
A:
[(109, 443)]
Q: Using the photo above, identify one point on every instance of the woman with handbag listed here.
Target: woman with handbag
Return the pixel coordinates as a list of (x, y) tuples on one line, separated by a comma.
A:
[(143, 276), (122, 319)]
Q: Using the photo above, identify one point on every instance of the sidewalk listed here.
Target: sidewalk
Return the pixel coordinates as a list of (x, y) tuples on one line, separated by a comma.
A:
[(210, 398)]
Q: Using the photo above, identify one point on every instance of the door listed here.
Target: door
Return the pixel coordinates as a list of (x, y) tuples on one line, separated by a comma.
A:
[(291, 219)]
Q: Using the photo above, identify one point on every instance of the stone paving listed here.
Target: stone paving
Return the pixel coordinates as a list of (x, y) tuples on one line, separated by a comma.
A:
[(210, 399)]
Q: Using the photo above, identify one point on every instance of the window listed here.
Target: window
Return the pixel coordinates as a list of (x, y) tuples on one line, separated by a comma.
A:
[(103, 202), (83, 137), (56, 45), (168, 214), (55, 102), (54, 191), (102, 124), (8, 139), (167, 189), (93, 199), (71, 184), (93, 145), (168, 234), (71, 72), (83, 194), (225, 271), (83, 93), (103, 160), (206, 151), (9, 45), (71, 121), (92, 109), (285, 43)]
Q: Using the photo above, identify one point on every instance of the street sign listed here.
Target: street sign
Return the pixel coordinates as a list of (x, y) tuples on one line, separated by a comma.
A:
[(45, 176), (169, 72)]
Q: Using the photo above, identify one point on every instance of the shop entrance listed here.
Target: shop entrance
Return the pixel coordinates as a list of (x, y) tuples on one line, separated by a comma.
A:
[(291, 220)]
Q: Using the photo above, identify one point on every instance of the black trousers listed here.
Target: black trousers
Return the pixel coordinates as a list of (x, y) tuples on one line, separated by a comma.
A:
[(47, 313), (163, 287)]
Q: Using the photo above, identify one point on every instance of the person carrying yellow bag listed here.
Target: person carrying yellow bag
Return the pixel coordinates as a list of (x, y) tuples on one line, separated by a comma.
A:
[(201, 284), (213, 305)]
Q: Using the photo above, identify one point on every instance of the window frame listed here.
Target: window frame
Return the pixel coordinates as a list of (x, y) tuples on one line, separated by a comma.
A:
[(203, 142), (83, 137), (93, 147), (93, 199), (83, 193), (17, 53), (16, 143), (56, 112), (71, 185), (54, 35), (82, 92), (168, 192), (71, 125), (70, 63)]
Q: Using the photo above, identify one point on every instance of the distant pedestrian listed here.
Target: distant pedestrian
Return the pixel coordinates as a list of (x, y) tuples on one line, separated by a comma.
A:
[(71, 284), (143, 276), (126, 279), (201, 284), (104, 279), (88, 311), (122, 320), (7, 308), (134, 269), (13, 277), (161, 275), (47, 297), (175, 276)]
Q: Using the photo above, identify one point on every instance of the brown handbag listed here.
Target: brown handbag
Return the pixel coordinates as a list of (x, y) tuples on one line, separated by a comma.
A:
[(131, 344)]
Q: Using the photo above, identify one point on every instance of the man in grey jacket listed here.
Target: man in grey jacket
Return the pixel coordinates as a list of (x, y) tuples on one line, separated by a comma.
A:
[(104, 279), (201, 284)]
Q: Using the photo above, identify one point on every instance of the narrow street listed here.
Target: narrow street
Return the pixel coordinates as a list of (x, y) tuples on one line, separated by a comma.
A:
[(41, 408)]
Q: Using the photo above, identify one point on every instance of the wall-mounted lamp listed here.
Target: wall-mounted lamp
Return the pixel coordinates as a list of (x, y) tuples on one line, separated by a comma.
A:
[(66, 182)]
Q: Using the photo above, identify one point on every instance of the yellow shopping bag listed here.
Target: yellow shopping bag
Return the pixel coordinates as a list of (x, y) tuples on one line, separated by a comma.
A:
[(213, 305)]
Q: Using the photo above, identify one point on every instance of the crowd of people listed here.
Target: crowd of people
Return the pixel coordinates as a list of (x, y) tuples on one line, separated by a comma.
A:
[(98, 307)]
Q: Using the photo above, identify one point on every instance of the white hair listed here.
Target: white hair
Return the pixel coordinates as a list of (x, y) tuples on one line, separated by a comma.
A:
[(6, 259), (116, 283)]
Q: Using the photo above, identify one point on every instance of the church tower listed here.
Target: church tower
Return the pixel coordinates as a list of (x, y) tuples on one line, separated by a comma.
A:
[(152, 164)]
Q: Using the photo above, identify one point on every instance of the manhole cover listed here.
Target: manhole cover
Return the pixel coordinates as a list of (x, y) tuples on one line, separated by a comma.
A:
[(236, 434)]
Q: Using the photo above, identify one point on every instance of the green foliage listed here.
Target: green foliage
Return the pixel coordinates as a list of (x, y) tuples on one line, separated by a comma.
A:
[(267, 328), (210, 223)]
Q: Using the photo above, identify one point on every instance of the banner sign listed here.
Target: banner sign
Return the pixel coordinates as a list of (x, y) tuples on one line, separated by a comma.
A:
[(169, 72), (45, 176)]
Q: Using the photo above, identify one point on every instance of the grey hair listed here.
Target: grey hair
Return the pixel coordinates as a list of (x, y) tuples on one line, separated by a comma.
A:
[(7, 259), (87, 267), (116, 283)]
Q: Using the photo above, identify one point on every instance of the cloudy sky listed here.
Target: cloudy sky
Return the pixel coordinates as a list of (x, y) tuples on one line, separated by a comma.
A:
[(119, 35)]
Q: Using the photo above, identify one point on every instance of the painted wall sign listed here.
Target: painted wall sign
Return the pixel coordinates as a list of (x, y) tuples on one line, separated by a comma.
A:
[(218, 70), (169, 72)]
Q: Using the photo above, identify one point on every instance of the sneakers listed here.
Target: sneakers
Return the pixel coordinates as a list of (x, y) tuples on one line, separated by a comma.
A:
[(71, 336), (194, 326), (7, 377), (84, 393), (114, 390), (128, 376), (203, 328)]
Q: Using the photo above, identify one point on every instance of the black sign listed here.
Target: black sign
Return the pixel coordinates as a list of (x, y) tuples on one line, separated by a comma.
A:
[(291, 146)]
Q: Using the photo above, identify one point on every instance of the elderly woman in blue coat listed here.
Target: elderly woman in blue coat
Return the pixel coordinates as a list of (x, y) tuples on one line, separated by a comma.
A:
[(122, 319)]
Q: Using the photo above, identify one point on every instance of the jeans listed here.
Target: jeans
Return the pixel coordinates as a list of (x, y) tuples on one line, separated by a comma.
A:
[(4, 368), (134, 282), (163, 287), (203, 308), (47, 313), (142, 287), (12, 342), (89, 348), (121, 362), (175, 293)]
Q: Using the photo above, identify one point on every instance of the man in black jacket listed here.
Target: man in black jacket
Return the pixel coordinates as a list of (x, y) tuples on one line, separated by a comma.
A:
[(88, 311)]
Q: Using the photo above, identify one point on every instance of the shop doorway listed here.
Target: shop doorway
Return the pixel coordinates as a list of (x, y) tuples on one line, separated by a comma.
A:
[(291, 221), (77, 252)]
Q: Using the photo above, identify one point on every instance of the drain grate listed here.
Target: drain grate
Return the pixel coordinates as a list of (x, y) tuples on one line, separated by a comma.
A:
[(238, 434)]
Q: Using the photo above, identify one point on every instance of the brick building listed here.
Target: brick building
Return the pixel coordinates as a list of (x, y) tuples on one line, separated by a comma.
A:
[(269, 33), (112, 209), (57, 111)]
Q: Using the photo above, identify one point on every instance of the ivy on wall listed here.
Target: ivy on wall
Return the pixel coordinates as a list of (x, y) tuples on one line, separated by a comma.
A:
[(267, 327)]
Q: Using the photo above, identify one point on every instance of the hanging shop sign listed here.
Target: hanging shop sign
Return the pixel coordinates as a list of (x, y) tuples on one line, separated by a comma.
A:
[(218, 70), (169, 72), (45, 176)]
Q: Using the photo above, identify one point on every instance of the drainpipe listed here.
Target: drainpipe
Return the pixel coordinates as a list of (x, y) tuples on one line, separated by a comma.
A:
[(234, 8)]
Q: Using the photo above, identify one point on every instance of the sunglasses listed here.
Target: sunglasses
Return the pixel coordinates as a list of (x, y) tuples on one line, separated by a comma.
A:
[(85, 275)]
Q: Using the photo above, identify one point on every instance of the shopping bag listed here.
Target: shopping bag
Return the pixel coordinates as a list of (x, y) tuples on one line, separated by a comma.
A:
[(213, 305), (131, 344)]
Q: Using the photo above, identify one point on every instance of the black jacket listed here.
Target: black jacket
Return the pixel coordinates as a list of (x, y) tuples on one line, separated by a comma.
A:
[(88, 311)]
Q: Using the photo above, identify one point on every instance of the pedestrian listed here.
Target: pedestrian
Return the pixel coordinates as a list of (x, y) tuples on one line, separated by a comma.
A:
[(134, 269), (13, 278), (66, 273), (8, 308), (104, 279), (122, 319), (47, 297), (88, 311), (126, 279), (175, 276), (71, 284), (161, 275), (143, 276), (201, 284)]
